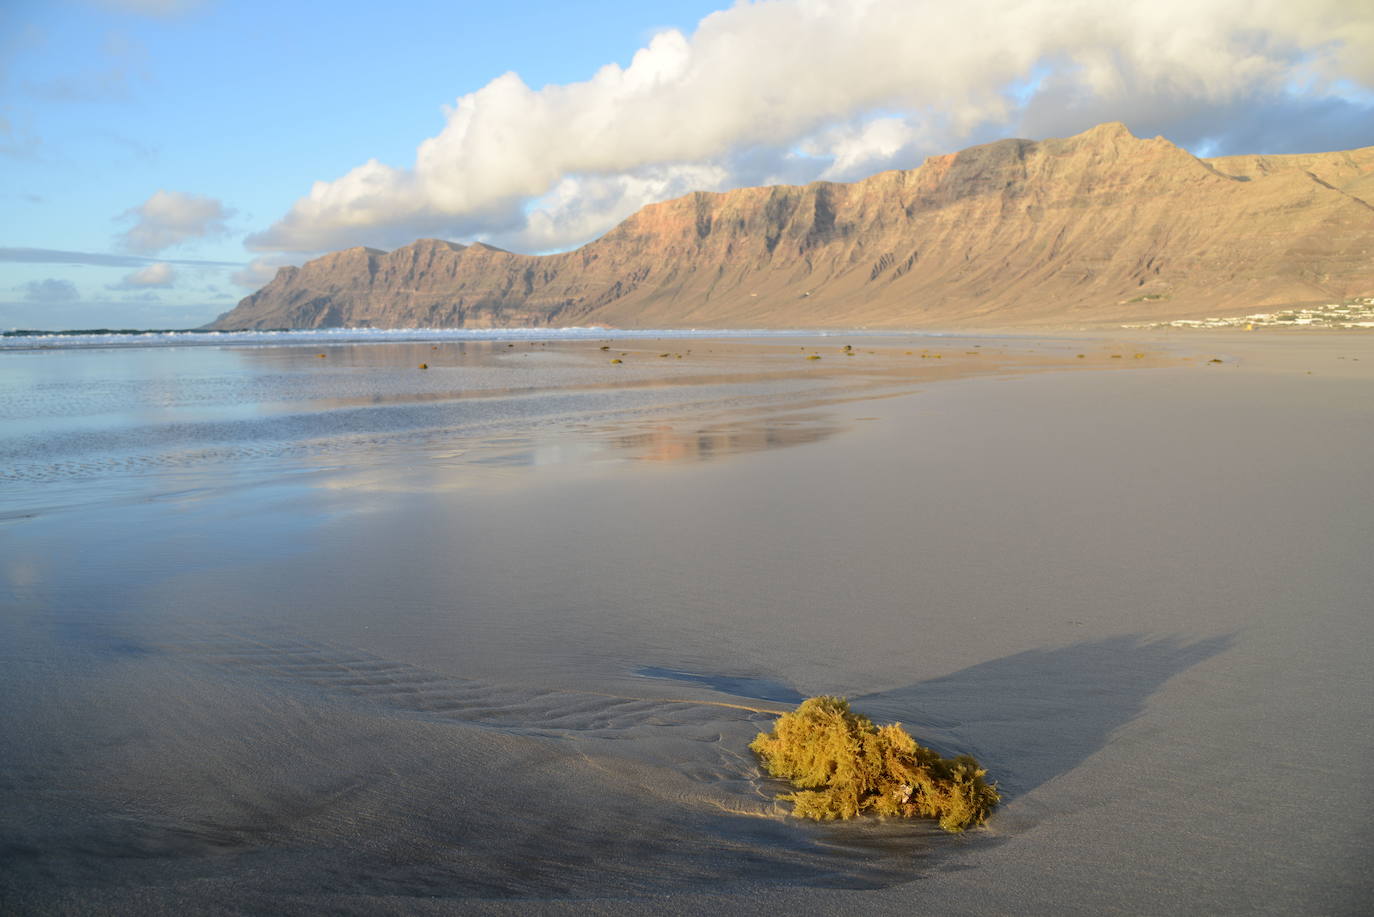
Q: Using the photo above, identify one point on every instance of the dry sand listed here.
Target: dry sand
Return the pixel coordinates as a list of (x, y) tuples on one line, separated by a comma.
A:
[(517, 671)]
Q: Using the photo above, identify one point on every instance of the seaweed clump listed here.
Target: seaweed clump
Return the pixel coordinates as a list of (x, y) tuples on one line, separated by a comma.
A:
[(842, 766)]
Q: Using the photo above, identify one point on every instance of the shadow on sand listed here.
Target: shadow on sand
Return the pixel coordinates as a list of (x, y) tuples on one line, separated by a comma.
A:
[(738, 685), (1033, 716), (562, 794)]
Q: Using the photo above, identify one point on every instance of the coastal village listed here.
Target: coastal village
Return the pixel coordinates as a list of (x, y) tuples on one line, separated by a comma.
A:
[(1350, 315)]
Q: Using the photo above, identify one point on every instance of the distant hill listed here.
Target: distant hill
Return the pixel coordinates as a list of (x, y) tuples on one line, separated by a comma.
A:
[(1102, 226)]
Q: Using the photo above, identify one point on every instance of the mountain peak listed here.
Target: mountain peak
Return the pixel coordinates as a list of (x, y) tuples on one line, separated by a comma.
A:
[(1100, 226), (1109, 130), (423, 244)]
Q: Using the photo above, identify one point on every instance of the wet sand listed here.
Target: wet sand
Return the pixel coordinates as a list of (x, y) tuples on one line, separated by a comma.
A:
[(331, 635)]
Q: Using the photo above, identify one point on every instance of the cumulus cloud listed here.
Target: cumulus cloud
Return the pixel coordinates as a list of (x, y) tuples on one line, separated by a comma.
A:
[(838, 88), (49, 290), (157, 274), (1281, 122), (858, 149), (171, 218), (581, 206)]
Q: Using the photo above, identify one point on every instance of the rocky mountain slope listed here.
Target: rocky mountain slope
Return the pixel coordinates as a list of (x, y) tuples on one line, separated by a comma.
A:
[(1102, 226)]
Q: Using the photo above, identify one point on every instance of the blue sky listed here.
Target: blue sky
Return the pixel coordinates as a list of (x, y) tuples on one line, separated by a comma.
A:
[(157, 157)]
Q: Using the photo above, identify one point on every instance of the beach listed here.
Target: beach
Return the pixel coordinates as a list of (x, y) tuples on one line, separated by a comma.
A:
[(304, 628)]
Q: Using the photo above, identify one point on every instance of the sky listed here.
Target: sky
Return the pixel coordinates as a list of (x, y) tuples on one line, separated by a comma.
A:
[(159, 159)]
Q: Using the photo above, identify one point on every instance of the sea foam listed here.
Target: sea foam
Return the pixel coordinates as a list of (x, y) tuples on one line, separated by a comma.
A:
[(43, 340)]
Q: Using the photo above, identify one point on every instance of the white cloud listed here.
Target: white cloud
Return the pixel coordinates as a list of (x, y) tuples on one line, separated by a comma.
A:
[(580, 207), (170, 218), (852, 85), (856, 150), (157, 274)]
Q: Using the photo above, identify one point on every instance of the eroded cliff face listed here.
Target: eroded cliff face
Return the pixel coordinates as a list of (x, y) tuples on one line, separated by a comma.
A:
[(1102, 226)]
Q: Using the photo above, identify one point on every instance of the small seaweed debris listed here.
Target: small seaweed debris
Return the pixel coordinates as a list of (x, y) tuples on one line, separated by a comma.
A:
[(605, 347), (842, 766), (424, 366), (1214, 360), (814, 356), (321, 355), (617, 360)]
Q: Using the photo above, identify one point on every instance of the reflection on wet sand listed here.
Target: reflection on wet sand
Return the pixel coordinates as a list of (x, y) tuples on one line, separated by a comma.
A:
[(723, 398), (364, 410), (686, 439), (492, 370), (366, 416), (690, 443)]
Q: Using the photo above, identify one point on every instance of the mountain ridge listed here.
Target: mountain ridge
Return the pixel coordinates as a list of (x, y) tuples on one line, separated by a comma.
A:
[(1099, 227)]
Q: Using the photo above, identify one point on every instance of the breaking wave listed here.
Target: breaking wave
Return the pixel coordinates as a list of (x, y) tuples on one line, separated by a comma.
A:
[(105, 337)]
